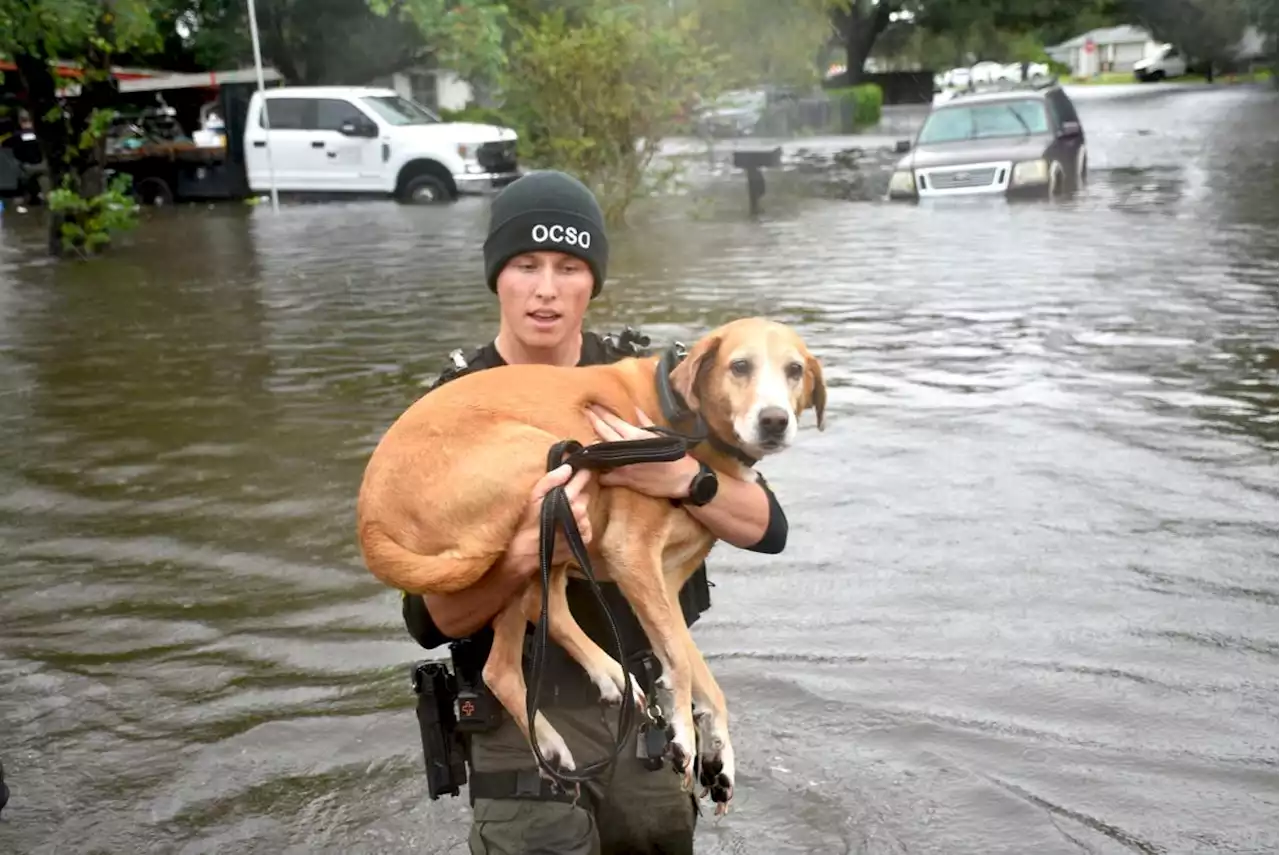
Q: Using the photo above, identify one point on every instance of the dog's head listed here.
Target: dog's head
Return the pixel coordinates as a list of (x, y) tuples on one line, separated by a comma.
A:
[(751, 379)]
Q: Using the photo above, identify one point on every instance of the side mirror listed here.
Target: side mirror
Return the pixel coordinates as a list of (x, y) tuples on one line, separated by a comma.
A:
[(1070, 129), (358, 128), (902, 146)]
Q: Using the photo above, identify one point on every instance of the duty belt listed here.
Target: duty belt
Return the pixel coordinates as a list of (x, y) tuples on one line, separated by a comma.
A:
[(520, 784)]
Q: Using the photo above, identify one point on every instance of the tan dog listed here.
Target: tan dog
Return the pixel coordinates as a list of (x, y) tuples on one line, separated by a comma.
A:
[(445, 488)]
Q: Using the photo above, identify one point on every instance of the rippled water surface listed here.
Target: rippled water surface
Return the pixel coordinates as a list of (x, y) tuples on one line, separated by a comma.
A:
[(1029, 603)]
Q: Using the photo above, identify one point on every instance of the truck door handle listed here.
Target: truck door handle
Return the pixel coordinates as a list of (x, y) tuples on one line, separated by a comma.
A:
[(317, 143), (259, 143)]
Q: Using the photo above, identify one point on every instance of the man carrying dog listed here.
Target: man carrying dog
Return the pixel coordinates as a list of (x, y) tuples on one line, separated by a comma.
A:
[(546, 257)]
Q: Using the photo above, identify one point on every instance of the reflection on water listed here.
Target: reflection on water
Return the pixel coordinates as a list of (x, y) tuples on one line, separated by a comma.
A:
[(1029, 602)]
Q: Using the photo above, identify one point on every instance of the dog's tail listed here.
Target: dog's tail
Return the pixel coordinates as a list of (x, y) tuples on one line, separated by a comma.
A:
[(408, 571)]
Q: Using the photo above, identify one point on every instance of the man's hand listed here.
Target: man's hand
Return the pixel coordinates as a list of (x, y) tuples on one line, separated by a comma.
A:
[(659, 480), (521, 557)]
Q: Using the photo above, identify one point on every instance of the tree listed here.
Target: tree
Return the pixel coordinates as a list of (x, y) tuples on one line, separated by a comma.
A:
[(89, 33), (764, 41), (598, 96), (860, 23), (465, 36), (1265, 14)]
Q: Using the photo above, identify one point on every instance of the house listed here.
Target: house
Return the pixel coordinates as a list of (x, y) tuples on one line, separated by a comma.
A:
[(1105, 49), (434, 88)]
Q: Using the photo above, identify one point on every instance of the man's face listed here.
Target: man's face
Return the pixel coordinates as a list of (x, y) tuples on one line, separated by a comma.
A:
[(543, 297)]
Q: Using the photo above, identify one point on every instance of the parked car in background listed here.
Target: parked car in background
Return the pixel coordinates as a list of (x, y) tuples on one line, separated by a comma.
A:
[(961, 79), (1166, 63), (732, 114), (1015, 140), (353, 139)]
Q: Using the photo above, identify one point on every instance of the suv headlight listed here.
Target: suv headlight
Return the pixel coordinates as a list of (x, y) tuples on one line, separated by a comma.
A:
[(468, 152), (902, 182), (1031, 172)]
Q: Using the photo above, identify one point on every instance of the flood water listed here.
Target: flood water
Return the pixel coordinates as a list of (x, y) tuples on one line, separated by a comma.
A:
[(1029, 602)]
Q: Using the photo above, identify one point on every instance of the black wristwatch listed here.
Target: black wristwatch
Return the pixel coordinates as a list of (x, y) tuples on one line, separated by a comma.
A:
[(703, 487)]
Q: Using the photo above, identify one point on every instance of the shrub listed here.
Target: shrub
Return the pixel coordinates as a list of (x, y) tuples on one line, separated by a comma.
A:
[(859, 105), (596, 96)]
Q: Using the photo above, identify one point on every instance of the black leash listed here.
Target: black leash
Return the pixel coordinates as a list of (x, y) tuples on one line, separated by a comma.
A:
[(558, 512), (669, 445)]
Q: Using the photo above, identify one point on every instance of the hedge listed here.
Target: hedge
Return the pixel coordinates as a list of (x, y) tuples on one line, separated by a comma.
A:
[(859, 105)]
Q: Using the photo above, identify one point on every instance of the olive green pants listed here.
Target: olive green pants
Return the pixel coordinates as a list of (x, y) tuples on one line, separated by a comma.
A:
[(643, 812)]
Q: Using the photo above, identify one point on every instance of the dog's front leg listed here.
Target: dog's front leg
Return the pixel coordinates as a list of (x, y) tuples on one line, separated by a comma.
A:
[(711, 713), (633, 545), (602, 668), (504, 675)]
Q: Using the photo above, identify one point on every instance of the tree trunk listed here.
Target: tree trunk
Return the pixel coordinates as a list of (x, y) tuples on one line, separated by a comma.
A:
[(51, 133), (59, 124), (859, 31)]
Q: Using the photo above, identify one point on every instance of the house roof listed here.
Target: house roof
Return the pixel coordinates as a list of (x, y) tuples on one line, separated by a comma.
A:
[(1123, 34)]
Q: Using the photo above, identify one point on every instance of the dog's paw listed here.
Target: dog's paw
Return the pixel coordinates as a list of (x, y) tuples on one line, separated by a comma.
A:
[(553, 748), (680, 748), (611, 690), (716, 776)]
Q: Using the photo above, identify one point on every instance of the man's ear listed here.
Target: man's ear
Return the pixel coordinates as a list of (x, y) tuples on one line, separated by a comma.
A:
[(687, 376), (815, 390)]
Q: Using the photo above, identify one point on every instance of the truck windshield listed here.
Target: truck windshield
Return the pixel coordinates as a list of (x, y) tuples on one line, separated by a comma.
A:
[(985, 121), (401, 111)]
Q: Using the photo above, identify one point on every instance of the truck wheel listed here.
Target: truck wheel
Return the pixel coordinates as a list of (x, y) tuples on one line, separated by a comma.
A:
[(425, 190), (154, 191)]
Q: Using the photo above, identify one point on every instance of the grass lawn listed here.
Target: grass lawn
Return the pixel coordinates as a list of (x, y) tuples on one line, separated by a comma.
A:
[(1106, 78)]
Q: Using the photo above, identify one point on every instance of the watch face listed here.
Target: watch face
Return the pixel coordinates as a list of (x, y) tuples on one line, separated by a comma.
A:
[(704, 487)]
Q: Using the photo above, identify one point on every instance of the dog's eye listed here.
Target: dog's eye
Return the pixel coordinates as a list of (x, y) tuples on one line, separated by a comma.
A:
[(740, 367), (795, 371)]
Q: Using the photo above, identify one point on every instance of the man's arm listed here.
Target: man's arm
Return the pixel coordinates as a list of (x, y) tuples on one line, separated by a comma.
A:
[(465, 612), (470, 610), (743, 513)]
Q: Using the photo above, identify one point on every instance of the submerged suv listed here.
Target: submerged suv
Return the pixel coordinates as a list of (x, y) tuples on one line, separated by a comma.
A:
[(1019, 140)]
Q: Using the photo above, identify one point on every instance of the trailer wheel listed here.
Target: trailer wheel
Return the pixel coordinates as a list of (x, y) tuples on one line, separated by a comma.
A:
[(154, 191)]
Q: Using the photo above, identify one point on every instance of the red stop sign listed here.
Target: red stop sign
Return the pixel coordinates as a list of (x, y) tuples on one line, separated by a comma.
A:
[(1088, 46)]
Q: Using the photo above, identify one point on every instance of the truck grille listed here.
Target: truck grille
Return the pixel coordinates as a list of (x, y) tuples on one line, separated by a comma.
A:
[(498, 156), (954, 179)]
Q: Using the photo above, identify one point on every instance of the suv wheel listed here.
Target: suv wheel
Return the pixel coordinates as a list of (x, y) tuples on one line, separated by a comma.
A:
[(1058, 188)]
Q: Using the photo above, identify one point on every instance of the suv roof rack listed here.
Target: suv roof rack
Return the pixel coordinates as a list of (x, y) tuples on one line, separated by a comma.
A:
[(996, 87)]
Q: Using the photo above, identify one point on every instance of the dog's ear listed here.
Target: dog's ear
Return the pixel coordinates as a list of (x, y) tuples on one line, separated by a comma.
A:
[(686, 379), (815, 389)]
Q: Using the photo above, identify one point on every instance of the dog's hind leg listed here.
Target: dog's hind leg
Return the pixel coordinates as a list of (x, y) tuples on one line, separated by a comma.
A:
[(504, 675)]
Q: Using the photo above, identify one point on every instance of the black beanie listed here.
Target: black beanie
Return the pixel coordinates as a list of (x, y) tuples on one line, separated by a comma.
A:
[(548, 211)]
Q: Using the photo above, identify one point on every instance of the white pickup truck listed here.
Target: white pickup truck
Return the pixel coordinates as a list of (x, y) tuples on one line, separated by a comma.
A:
[(353, 139)]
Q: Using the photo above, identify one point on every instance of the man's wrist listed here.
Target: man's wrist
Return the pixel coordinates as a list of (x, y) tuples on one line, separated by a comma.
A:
[(701, 488), (690, 468)]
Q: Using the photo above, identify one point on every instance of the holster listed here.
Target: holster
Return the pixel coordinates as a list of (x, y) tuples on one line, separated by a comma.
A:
[(443, 749)]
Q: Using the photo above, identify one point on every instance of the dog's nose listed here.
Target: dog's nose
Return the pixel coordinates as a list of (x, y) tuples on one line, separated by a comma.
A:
[(774, 421)]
